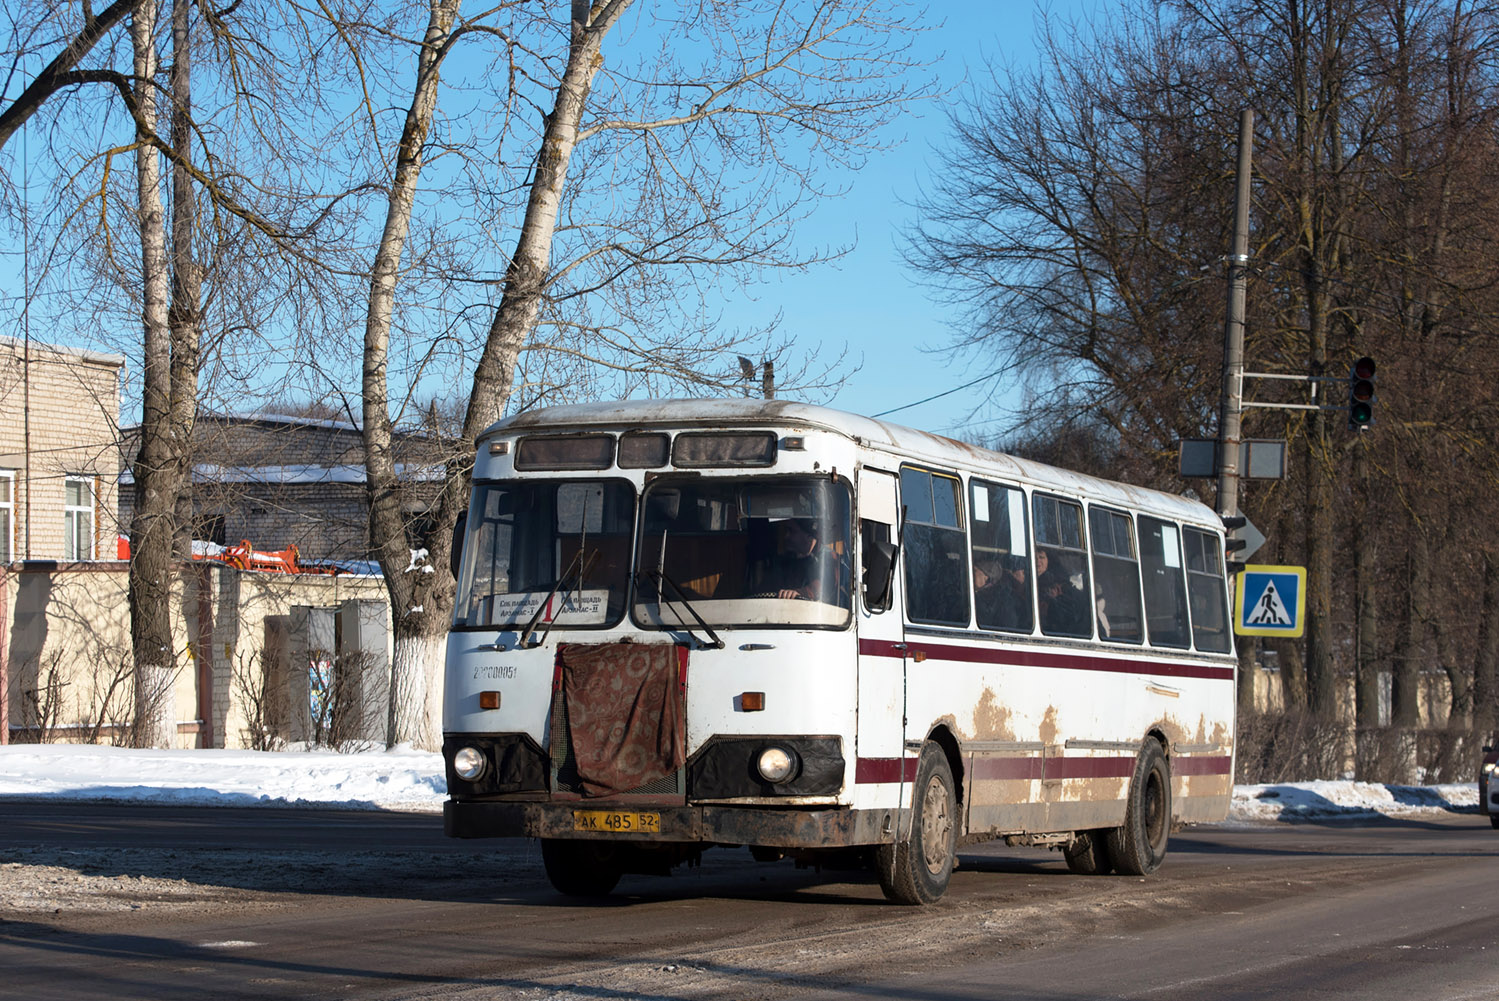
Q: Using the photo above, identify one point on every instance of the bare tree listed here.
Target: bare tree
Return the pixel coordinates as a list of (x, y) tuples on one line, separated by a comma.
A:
[(1081, 216), (778, 89), (62, 71)]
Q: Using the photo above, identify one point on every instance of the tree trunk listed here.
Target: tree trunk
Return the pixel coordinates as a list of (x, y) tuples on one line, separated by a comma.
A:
[(1248, 671), (170, 385), (1366, 606), (1486, 664), (1411, 648), (1292, 676), (152, 528), (525, 279), (420, 589), (422, 595), (1320, 681), (416, 708)]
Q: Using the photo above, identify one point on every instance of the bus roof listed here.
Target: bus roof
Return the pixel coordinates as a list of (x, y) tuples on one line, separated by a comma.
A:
[(923, 446)]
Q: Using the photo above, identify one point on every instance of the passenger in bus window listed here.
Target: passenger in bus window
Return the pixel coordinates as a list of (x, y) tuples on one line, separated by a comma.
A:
[(1064, 607), (1001, 598), (794, 573)]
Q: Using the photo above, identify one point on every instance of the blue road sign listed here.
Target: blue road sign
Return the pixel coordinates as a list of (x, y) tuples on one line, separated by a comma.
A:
[(1270, 601)]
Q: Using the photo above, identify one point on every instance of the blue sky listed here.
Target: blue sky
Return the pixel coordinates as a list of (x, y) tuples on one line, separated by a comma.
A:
[(869, 300)]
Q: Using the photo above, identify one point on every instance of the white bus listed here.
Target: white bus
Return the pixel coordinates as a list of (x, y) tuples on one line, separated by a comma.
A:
[(692, 623)]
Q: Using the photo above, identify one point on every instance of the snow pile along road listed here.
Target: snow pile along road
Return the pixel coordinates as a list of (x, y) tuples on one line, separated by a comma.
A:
[(371, 780), (1324, 800)]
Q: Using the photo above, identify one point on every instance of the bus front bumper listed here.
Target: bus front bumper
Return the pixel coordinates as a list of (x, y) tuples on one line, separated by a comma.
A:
[(787, 828)]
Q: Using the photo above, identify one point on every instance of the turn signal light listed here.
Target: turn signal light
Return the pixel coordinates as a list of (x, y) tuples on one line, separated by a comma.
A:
[(752, 702), (489, 700)]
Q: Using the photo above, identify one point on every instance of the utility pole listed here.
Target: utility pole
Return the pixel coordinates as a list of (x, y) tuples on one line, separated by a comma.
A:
[(1229, 436)]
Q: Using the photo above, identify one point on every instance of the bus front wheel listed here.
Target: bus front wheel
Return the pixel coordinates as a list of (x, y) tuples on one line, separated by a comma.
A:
[(581, 868), (916, 869), (1139, 847)]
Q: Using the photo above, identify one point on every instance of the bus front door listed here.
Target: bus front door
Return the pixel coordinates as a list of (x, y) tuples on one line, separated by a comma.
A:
[(881, 733)]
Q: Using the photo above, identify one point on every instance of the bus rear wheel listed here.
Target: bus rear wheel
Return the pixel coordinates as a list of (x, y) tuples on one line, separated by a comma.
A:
[(916, 869), (1139, 847), (581, 868)]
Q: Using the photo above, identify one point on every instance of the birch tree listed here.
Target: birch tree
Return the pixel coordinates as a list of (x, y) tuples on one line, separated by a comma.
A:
[(685, 168)]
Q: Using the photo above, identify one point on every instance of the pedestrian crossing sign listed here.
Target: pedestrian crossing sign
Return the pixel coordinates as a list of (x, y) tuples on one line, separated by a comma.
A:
[(1270, 601)]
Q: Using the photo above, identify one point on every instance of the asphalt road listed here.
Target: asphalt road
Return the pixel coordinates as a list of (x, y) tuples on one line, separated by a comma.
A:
[(168, 903)]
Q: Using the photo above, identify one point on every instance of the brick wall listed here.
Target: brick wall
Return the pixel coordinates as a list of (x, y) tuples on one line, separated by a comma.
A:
[(59, 418)]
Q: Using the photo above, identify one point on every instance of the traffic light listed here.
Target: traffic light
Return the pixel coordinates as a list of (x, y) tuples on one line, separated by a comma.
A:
[(1234, 542), (1361, 394)]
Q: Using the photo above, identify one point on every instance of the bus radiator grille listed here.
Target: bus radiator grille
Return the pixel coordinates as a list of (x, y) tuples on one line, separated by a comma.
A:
[(565, 762)]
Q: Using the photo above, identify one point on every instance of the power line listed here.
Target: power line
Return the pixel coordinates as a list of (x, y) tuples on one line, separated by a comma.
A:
[(938, 396)]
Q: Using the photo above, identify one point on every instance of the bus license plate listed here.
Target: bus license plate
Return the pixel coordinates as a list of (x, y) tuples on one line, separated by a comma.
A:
[(618, 823)]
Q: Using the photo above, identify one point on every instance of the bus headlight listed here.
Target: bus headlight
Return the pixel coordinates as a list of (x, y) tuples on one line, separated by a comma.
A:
[(468, 763), (776, 764)]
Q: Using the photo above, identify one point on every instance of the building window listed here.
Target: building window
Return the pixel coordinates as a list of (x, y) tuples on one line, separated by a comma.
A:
[(7, 515), (78, 519)]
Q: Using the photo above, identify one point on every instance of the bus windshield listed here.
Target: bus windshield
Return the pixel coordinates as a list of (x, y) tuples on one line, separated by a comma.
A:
[(744, 552), (532, 543)]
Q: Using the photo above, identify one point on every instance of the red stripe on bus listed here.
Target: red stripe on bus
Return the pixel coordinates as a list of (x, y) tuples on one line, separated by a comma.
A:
[(986, 768), (1202, 766), (1090, 768), (1040, 658), (876, 770)]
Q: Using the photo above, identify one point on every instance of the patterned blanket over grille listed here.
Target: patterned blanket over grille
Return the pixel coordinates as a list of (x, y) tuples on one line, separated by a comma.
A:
[(624, 708)]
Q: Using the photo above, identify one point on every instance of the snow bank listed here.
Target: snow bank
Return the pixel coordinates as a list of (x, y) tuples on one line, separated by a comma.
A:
[(394, 780)]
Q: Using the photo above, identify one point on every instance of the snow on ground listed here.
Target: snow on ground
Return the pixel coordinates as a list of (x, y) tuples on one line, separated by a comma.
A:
[(405, 779), (374, 780)]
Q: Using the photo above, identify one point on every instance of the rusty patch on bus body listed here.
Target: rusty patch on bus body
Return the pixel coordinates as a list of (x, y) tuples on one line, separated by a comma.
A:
[(1089, 790), (1049, 726), (1174, 731), (991, 721)]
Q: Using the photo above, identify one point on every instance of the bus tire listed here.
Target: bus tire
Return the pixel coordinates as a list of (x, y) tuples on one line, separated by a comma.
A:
[(1139, 847), (581, 868), (1088, 854), (916, 870)]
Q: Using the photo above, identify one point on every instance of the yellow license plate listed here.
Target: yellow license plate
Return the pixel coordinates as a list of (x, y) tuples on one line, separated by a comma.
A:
[(616, 823)]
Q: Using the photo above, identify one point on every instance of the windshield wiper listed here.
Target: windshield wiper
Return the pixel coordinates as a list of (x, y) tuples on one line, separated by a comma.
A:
[(681, 597), (575, 567)]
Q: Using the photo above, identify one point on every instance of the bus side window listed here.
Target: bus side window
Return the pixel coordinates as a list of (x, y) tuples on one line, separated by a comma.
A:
[(935, 548), (878, 571), (1001, 563), (1116, 576), (1206, 591), (1063, 589), (1165, 589)]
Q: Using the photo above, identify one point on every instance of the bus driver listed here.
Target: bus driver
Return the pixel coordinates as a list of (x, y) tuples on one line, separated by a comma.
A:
[(795, 571)]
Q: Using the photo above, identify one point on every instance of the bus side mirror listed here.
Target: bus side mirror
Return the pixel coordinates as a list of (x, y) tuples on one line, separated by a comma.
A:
[(879, 574), (455, 554)]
